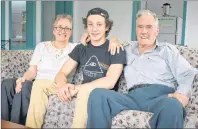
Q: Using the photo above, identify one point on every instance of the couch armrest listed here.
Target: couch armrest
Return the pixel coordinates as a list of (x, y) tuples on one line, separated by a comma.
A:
[(192, 108)]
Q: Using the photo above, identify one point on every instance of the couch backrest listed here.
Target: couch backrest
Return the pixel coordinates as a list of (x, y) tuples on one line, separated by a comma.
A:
[(14, 63), (190, 54)]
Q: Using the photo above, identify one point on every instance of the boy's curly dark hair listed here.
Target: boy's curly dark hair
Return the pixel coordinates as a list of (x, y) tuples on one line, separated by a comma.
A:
[(103, 13)]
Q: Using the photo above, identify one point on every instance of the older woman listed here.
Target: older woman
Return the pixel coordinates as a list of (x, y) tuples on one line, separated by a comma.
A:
[(47, 59)]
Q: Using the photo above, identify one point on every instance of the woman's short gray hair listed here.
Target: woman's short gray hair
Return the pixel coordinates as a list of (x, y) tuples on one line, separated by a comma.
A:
[(62, 16), (146, 13)]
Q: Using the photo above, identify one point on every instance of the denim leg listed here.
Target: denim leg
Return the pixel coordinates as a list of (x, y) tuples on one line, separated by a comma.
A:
[(168, 113), (104, 104)]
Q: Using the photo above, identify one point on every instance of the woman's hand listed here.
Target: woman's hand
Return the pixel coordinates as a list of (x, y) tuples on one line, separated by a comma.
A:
[(66, 92), (19, 82)]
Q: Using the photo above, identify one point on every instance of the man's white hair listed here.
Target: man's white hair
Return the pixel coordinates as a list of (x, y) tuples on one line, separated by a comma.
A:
[(147, 13)]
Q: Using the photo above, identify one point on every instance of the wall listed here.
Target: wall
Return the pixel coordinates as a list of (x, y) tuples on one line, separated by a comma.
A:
[(48, 19), (176, 6), (191, 24), (38, 21), (168, 33), (120, 12)]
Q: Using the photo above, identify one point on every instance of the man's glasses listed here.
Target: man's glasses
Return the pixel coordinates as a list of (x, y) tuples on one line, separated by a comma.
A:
[(60, 29)]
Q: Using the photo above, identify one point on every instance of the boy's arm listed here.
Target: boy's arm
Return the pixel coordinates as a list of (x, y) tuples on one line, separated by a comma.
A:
[(63, 90), (107, 82), (67, 68)]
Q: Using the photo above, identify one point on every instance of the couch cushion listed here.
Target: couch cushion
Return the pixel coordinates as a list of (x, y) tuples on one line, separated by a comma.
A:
[(60, 115), (131, 119)]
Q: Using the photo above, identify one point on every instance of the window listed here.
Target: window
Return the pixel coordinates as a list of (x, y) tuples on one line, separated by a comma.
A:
[(18, 34)]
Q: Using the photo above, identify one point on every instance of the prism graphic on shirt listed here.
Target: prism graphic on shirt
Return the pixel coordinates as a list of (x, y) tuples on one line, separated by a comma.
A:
[(92, 67)]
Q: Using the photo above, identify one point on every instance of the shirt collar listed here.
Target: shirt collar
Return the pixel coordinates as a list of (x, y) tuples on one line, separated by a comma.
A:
[(155, 47), (149, 51)]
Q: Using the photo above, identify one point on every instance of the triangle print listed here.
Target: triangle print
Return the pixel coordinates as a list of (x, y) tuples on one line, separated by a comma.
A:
[(92, 65)]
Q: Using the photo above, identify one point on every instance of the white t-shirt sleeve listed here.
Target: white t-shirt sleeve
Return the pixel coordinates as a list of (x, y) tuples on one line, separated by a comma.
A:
[(36, 57), (73, 45)]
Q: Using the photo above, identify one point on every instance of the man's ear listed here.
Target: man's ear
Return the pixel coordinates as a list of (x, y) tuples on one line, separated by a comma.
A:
[(157, 32)]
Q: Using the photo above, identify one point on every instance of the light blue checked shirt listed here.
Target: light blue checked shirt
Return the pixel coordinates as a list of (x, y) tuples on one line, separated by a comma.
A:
[(161, 65)]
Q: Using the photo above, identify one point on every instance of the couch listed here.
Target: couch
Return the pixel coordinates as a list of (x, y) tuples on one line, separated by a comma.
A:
[(59, 115)]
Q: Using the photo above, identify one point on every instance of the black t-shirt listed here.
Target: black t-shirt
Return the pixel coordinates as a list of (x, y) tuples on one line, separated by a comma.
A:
[(95, 60)]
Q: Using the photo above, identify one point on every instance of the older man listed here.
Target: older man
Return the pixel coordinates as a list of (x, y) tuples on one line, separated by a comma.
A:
[(159, 80)]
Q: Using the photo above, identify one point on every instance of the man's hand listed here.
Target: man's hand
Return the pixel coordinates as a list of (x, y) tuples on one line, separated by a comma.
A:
[(114, 46), (67, 91), (182, 98), (19, 82)]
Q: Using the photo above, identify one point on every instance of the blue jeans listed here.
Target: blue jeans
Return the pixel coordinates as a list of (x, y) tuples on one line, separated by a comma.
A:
[(104, 104)]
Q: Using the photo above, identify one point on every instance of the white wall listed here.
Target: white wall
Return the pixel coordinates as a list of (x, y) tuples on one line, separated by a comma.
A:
[(156, 6), (191, 24), (120, 12), (48, 19), (7, 19), (0, 27), (38, 21)]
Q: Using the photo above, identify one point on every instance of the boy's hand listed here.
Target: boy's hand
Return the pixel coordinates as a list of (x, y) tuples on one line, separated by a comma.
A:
[(85, 38), (114, 46), (66, 92)]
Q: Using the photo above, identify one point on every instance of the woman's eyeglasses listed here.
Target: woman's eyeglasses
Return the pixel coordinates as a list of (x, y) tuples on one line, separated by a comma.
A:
[(60, 29)]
